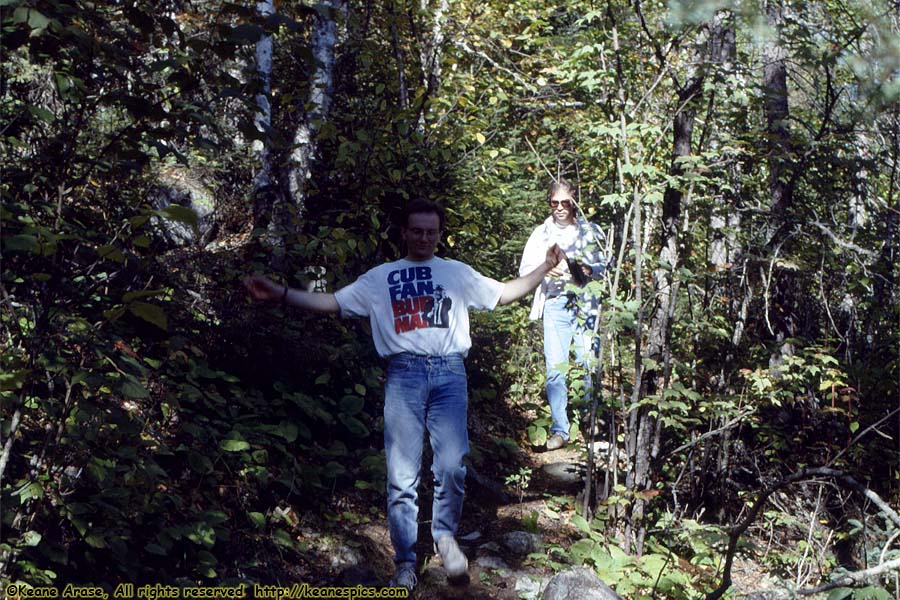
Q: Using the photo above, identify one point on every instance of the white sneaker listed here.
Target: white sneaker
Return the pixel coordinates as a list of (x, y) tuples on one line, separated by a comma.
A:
[(405, 578), (455, 562), (555, 442)]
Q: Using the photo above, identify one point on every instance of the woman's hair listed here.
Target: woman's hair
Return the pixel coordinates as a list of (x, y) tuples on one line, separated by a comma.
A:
[(561, 185)]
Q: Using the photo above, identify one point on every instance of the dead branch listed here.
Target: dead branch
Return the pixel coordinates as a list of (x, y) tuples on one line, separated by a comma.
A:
[(855, 578), (729, 425), (805, 474)]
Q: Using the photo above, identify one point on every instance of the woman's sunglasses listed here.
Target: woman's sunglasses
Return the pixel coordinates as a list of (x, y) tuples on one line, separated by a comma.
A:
[(565, 203)]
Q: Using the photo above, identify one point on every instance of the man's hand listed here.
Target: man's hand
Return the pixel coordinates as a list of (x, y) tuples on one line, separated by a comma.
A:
[(515, 289), (555, 261), (261, 288)]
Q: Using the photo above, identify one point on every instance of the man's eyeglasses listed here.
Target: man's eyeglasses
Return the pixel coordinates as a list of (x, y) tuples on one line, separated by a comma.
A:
[(565, 203), (427, 233)]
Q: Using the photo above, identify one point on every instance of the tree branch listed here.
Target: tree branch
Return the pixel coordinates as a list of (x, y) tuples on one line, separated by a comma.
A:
[(842, 243), (738, 530), (855, 578), (709, 434)]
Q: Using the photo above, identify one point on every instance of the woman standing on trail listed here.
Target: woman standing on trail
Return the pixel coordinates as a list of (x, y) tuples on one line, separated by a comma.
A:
[(557, 301)]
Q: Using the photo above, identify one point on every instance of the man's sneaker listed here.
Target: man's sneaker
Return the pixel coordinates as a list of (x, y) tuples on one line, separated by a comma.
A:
[(455, 562), (555, 442), (405, 577)]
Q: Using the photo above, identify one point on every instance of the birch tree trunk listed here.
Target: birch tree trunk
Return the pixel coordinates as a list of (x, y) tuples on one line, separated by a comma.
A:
[(432, 49), (782, 316), (431, 53), (399, 57), (263, 189), (323, 41)]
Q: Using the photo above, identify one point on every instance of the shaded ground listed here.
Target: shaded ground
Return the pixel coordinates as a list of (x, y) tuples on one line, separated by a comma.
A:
[(545, 509)]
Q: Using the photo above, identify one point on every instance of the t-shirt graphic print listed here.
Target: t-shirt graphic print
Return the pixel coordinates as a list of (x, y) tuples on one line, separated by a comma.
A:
[(416, 302), (419, 307)]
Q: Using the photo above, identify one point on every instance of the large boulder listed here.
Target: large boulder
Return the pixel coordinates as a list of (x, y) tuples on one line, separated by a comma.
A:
[(578, 583), (521, 543), (186, 207)]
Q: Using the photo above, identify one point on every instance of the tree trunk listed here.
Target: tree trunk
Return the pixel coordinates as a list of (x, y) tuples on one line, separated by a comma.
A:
[(323, 41), (781, 188), (646, 428), (655, 378), (263, 198), (431, 54), (777, 125), (399, 58), (432, 49)]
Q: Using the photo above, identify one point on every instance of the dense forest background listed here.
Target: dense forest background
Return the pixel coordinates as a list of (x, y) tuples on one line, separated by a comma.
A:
[(742, 155)]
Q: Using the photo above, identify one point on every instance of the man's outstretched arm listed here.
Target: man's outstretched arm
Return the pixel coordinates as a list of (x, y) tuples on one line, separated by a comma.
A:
[(261, 288), (516, 288)]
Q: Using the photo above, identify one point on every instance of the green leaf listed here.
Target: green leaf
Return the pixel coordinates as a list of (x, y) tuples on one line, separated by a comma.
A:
[(282, 538), (22, 243), (333, 469), (95, 540), (356, 427), (537, 435), (287, 430), (31, 538), (351, 405), (258, 519), (134, 390), (581, 523), (872, 593), (181, 214), (13, 380), (141, 294), (233, 445), (110, 252), (619, 555), (42, 113), (28, 491), (155, 549), (150, 313), (202, 534), (360, 389), (216, 517), (200, 463), (37, 20)]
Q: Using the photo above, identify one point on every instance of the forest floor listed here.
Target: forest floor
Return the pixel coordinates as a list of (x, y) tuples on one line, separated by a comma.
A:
[(497, 570), (541, 514)]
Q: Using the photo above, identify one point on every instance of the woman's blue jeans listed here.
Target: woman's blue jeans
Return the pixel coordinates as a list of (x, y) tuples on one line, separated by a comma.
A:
[(424, 393), (560, 327)]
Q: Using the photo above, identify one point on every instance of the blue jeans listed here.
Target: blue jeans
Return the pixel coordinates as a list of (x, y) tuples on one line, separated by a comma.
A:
[(560, 327), (424, 392)]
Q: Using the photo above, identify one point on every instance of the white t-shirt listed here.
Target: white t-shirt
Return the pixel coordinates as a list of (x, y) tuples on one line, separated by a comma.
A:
[(420, 307), (565, 236)]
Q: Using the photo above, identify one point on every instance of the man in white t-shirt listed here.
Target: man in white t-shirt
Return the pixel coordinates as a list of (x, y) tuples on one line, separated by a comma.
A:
[(418, 308), (566, 315)]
